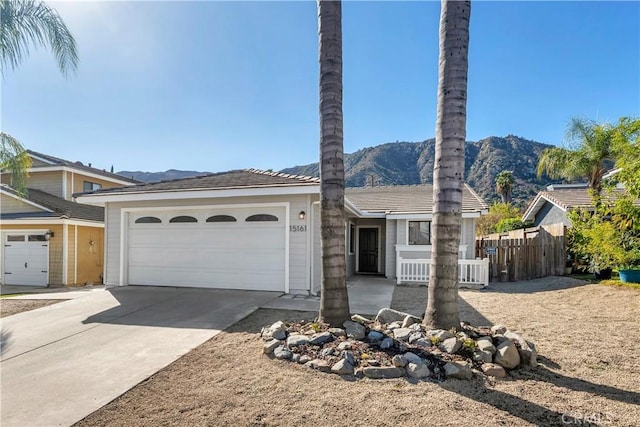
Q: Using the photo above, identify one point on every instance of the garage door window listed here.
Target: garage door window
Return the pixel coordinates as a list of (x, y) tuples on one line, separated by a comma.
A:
[(14, 238), (183, 218), (261, 218), (221, 218), (37, 238), (148, 220)]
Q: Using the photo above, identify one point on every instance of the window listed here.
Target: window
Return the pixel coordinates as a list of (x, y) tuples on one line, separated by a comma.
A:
[(183, 218), (91, 186), (419, 232), (37, 238), (11, 238), (221, 218), (148, 220), (261, 217), (352, 238)]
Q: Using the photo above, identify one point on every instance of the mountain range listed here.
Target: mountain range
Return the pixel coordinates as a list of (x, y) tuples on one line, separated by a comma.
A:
[(400, 163)]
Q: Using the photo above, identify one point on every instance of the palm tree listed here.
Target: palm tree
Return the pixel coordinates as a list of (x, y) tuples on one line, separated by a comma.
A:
[(334, 299), (504, 185), (23, 23), (448, 174), (590, 159)]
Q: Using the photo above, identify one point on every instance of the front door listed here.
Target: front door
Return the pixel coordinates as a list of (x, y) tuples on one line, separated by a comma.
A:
[(368, 250)]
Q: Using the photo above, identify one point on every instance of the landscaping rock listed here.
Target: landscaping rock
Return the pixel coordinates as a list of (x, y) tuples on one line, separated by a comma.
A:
[(269, 346), (320, 338), (458, 370), (382, 372), (345, 345), (493, 370), (374, 336), (318, 365), (304, 359), (486, 344), (410, 320), (361, 319), (342, 367), (450, 345), (327, 352), (348, 356), (498, 329), (399, 361), (412, 357), (386, 343), (402, 334), (276, 331), (389, 315), (354, 330), (338, 332), (528, 354), (394, 325), (295, 357), (415, 336), (441, 334), (507, 355), (295, 340), (417, 370), (423, 343), (482, 356), (283, 353)]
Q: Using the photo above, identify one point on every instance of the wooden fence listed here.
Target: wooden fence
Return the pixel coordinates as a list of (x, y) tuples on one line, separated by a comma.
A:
[(525, 254)]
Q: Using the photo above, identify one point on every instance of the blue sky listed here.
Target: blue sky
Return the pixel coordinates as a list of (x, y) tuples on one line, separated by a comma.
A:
[(214, 86)]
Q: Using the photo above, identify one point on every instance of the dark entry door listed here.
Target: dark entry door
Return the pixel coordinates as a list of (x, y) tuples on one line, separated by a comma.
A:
[(368, 250)]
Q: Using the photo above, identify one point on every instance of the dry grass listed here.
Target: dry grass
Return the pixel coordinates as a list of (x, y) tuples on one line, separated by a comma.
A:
[(587, 336), (9, 307)]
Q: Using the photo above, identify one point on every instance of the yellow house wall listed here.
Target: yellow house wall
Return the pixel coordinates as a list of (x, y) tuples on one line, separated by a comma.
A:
[(50, 182), (10, 205), (75, 182), (90, 256), (55, 248)]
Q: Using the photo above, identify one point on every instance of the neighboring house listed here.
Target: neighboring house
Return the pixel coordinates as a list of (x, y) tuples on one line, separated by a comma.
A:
[(47, 238), (552, 205), (250, 229)]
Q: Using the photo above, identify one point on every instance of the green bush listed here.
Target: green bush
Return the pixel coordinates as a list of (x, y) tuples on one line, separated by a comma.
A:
[(508, 224)]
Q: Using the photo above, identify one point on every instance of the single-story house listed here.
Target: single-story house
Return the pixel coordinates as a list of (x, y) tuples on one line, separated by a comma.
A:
[(251, 229), (552, 205)]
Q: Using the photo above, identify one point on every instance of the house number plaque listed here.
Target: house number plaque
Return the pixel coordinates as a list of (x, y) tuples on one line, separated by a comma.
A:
[(298, 228)]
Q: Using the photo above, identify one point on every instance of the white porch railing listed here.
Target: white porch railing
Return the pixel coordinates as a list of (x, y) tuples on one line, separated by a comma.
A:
[(470, 271)]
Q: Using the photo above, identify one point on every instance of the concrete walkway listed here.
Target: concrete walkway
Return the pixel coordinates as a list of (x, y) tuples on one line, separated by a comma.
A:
[(62, 362), (367, 295)]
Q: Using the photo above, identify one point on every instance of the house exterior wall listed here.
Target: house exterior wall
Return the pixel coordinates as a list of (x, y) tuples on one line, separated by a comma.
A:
[(49, 182), (75, 183), (89, 260), (551, 214), (350, 257), (391, 238), (299, 261), (9, 205)]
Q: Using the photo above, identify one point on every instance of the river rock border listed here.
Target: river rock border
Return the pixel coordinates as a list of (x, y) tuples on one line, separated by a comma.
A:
[(396, 344)]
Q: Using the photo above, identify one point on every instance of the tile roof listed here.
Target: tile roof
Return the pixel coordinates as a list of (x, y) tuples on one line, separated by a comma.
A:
[(406, 199), (58, 205), (78, 165), (247, 178)]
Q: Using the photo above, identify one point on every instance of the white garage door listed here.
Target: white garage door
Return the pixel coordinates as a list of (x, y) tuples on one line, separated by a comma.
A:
[(26, 259), (241, 248)]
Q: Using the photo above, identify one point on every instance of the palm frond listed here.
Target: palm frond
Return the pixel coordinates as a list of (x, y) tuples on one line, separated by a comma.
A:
[(14, 160), (26, 23)]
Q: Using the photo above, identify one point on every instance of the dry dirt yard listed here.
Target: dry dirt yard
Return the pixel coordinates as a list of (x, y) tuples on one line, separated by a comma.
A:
[(9, 307), (587, 335)]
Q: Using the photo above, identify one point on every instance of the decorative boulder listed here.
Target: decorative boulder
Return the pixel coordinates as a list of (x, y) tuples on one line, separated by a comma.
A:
[(486, 344), (507, 355), (498, 329), (458, 370), (450, 345), (417, 370), (295, 340), (318, 365), (382, 372), (269, 346), (342, 367), (354, 330), (493, 370), (282, 353), (321, 338), (389, 315), (402, 334)]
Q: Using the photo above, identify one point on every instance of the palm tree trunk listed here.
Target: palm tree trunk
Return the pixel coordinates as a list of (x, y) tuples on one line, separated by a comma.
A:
[(334, 299), (448, 174)]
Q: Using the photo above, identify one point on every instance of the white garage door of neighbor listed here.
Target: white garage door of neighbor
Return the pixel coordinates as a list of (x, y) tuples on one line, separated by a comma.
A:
[(241, 248), (26, 259)]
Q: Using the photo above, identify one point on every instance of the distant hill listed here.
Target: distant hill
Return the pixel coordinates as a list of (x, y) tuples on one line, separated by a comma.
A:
[(412, 163), (160, 176)]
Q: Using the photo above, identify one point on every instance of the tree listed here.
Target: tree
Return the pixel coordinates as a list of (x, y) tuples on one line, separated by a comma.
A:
[(590, 159), (498, 212), (627, 147), (448, 174), (24, 23), (504, 185), (334, 299)]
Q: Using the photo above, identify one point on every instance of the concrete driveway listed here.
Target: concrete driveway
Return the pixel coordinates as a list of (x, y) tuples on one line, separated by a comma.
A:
[(64, 361)]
